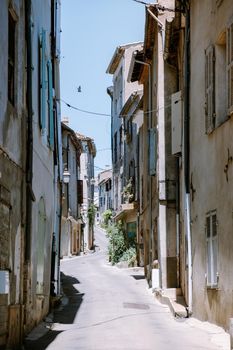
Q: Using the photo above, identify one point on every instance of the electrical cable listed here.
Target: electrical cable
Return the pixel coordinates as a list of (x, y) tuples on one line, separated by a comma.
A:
[(85, 111), (109, 115)]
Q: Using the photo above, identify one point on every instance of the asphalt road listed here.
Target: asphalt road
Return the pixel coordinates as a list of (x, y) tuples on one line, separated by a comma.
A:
[(107, 308)]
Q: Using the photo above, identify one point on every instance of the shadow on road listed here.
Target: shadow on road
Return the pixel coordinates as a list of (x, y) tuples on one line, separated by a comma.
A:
[(138, 277), (65, 313), (68, 310)]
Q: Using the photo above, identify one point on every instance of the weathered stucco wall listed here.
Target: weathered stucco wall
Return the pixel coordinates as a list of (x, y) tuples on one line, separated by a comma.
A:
[(211, 169)]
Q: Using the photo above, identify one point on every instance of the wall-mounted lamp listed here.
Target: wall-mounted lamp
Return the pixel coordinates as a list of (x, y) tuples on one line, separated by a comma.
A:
[(66, 176)]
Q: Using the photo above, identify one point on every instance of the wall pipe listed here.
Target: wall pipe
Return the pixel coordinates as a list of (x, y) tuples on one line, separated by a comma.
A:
[(187, 154), (29, 160), (150, 177)]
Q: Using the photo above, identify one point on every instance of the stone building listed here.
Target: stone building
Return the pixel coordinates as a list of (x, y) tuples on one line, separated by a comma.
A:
[(71, 227), (105, 191), (119, 93), (87, 175), (30, 164)]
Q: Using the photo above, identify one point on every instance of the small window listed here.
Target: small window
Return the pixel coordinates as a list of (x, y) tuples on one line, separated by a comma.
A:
[(11, 58), (212, 250)]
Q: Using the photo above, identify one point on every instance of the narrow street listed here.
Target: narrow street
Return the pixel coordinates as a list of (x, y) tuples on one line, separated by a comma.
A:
[(107, 308)]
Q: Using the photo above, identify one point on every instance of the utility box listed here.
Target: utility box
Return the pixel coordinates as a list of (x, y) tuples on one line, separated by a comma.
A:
[(177, 112)]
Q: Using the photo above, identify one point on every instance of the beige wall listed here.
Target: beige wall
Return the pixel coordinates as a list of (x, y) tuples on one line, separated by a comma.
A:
[(209, 157)]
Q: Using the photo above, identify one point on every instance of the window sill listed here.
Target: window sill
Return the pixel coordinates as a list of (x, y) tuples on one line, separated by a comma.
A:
[(210, 131), (212, 288)]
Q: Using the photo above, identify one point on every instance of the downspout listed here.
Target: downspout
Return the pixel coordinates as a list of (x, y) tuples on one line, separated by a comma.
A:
[(150, 177), (29, 161), (187, 154)]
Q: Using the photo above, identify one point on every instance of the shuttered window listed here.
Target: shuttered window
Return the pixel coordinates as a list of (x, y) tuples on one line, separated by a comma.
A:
[(11, 58), (50, 105), (212, 250), (210, 88), (152, 151), (80, 191), (43, 81), (230, 68)]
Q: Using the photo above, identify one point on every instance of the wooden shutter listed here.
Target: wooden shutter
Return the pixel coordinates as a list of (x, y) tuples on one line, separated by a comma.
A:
[(80, 191), (50, 105), (43, 80), (58, 29), (152, 151), (210, 88), (230, 68), (208, 250), (212, 250), (59, 138)]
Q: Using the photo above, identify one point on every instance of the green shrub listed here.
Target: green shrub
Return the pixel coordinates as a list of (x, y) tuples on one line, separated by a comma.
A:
[(130, 255), (91, 214), (107, 217), (117, 245)]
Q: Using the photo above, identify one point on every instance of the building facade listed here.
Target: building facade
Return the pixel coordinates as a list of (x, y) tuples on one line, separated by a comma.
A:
[(119, 93), (72, 225), (31, 164), (87, 175), (105, 192)]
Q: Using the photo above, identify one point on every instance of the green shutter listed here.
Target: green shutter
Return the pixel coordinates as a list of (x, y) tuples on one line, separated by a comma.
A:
[(152, 151), (50, 105), (42, 81)]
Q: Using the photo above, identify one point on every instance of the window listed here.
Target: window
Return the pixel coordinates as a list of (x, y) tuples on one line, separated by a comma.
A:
[(11, 58), (211, 250), (152, 151), (210, 88), (230, 68)]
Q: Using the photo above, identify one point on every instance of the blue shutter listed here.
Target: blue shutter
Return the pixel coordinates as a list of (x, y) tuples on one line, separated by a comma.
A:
[(50, 105), (42, 81), (152, 151)]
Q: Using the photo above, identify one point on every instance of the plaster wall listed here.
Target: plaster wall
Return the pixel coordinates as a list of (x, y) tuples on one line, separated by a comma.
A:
[(211, 170), (12, 162)]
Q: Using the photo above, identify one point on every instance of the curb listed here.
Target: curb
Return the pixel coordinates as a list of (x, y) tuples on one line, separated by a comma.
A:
[(176, 308)]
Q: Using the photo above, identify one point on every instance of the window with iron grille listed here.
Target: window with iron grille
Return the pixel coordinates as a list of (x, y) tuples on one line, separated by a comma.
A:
[(211, 250), (11, 58)]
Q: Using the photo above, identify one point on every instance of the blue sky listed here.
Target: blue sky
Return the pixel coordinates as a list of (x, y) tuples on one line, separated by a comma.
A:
[(91, 30)]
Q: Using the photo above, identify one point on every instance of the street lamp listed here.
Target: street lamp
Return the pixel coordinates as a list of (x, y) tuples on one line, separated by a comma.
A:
[(66, 176)]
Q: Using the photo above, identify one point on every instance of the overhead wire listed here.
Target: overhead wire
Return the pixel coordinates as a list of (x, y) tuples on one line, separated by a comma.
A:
[(109, 115)]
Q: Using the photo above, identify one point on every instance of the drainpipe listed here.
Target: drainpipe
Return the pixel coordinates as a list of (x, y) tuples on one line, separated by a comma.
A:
[(150, 177), (187, 154), (29, 160)]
